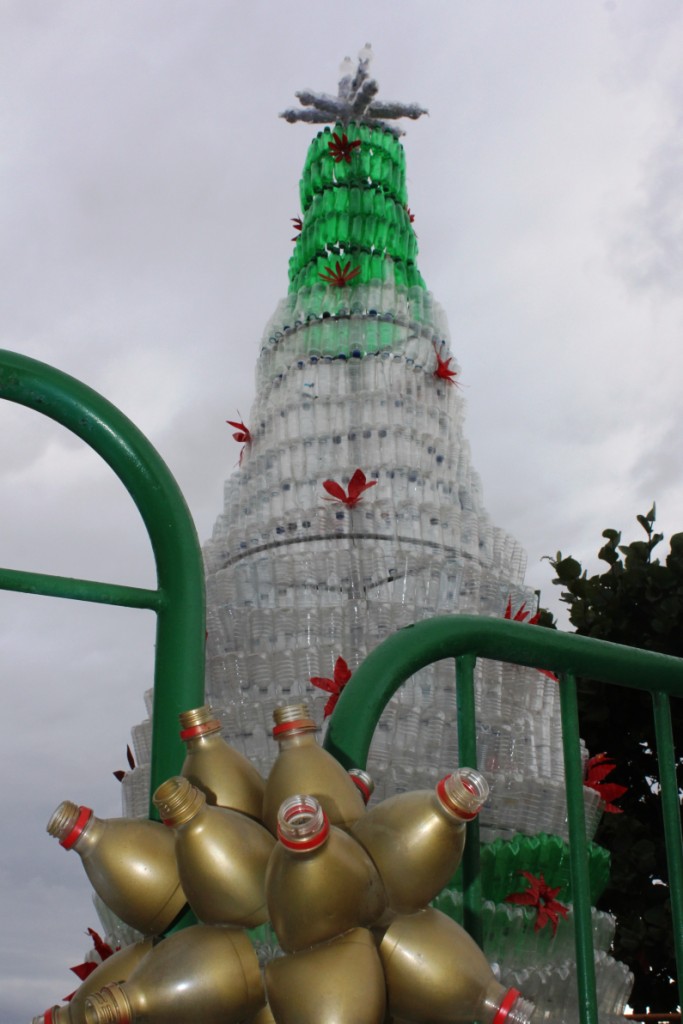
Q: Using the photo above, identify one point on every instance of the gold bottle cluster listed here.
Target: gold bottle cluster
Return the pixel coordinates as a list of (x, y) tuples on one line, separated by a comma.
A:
[(345, 890)]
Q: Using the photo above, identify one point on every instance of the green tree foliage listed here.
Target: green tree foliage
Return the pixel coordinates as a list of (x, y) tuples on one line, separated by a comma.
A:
[(637, 600)]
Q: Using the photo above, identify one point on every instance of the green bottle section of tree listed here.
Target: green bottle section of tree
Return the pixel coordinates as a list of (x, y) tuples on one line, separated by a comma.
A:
[(356, 224), (638, 601)]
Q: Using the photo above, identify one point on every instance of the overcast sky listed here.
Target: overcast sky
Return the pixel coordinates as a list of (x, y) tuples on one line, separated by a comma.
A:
[(147, 191)]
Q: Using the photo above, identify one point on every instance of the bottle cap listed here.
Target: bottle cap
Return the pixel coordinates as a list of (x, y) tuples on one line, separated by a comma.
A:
[(364, 783), (177, 801), (302, 823), (292, 717), (68, 822), (514, 1009), (197, 722), (464, 792)]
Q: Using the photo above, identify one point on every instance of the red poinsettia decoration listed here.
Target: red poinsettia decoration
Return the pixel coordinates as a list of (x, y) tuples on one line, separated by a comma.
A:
[(358, 484), (340, 677), (120, 775), (341, 148), (340, 276), (84, 970), (411, 215), (242, 434), (298, 226), (538, 894), (443, 368), (597, 770), (522, 615)]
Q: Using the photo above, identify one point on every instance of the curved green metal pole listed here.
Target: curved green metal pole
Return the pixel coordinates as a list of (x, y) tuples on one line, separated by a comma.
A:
[(179, 601), (448, 636)]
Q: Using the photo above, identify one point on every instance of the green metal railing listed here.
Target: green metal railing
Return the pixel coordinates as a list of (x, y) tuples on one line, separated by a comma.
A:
[(178, 600), (466, 638)]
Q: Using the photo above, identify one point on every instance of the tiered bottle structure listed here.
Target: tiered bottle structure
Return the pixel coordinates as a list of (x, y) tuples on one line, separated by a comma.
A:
[(356, 510)]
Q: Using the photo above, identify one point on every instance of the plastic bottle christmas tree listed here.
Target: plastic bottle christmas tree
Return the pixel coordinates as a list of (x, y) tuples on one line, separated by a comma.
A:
[(356, 510)]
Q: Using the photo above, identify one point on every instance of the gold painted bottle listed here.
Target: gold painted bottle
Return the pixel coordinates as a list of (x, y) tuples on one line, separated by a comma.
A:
[(302, 766), (264, 1016), (130, 863), (226, 777), (205, 973), (416, 839), (320, 882), (436, 973), (116, 967), (341, 981), (221, 855)]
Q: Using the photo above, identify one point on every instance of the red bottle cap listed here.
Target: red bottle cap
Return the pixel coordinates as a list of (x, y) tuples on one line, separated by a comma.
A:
[(84, 816), (199, 730), (506, 1004), (298, 723)]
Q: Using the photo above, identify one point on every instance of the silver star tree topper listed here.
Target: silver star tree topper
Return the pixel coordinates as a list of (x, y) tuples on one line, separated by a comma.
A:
[(355, 100)]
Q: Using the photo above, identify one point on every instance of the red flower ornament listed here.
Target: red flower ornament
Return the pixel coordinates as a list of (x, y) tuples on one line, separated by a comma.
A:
[(522, 615), (340, 276), (242, 434), (597, 769), (357, 486), (411, 215), (538, 894), (443, 369), (84, 970), (341, 148), (340, 677), (120, 775), (298, 226)]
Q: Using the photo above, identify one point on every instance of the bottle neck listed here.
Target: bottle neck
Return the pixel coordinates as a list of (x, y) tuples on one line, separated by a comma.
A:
[(206, 733), (302, 824), (75, 827), (363, 783), (297, 733), (108, 1006), (508, 1008), (178, 801), (463, 793)]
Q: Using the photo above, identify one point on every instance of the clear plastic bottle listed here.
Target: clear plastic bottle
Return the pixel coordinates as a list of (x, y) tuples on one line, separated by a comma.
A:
[(221, 854), (434, 971), (320, 882), (130, 863), (416, 840), (226, 777), (340, 981), (301, 766), (202, 973)]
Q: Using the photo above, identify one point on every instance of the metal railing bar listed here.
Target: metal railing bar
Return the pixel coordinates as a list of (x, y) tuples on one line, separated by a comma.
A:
[(45, 585), (578, 851), (180, 632), (671, 815), (467, 751), (448, 636)]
